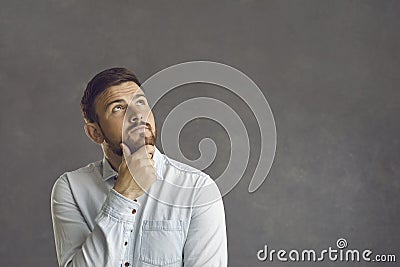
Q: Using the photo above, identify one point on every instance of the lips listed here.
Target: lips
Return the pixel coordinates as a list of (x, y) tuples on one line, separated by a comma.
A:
[(140, 127)]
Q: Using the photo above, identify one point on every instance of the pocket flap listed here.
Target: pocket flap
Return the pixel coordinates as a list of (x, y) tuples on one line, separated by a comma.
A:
[(167, 225)]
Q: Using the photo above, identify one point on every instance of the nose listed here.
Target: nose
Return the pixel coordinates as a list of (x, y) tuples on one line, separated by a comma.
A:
[(133, 114), (135, 117)]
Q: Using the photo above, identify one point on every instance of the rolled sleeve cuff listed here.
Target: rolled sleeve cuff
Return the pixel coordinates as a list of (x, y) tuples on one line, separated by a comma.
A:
[(120, 207)]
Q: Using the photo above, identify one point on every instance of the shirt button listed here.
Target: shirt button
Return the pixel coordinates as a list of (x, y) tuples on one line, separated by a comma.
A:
[(133, 211), (127, 264), (126, 243)]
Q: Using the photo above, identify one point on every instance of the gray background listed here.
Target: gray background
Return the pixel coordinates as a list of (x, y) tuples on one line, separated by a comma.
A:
[(329, 69)]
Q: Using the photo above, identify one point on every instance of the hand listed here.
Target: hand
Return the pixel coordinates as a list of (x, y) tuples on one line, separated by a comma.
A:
[(134, 181)]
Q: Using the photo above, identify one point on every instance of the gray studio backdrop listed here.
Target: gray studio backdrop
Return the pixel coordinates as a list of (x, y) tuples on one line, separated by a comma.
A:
[(330, 71)]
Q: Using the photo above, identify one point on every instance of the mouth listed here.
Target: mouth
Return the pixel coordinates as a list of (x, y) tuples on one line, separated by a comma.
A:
[(140, 128)]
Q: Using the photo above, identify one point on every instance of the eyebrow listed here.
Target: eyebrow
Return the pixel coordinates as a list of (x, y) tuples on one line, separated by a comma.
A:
[(122, 100)]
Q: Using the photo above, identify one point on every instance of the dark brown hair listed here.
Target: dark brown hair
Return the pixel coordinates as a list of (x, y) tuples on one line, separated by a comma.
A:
[(98, 84)]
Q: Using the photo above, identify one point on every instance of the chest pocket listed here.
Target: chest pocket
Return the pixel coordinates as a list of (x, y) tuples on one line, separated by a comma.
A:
[(162, 243)]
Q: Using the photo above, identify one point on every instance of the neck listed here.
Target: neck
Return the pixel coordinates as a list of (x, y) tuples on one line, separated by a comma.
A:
[(113, 159)]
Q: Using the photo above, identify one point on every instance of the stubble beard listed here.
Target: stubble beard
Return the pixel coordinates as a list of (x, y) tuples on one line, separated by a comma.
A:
[(133, 146), (136, 144)]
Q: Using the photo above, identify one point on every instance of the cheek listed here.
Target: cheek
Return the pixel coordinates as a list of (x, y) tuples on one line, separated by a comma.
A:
[(151, 120), (114, 129), (152, 123)]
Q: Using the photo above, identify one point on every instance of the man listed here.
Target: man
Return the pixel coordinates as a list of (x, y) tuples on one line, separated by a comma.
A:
[(109, 213)]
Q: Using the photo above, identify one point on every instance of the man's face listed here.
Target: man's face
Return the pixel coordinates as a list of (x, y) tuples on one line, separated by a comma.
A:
[(111, 107)]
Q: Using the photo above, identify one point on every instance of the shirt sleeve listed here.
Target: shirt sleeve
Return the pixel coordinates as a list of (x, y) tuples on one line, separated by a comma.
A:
[(76, 244), (206, 242)]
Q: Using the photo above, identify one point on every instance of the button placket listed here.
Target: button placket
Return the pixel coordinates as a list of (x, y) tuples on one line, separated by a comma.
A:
[(126, 243)]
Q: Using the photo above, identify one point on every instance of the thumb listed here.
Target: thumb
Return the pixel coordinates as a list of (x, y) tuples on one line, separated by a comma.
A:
[(125, 150)]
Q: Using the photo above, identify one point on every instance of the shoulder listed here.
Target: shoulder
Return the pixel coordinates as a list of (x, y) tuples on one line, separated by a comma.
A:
[(184, 171), (186, 185), (184, 175), (64, 181)]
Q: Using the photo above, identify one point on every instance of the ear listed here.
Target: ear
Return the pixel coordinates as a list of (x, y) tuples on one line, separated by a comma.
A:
[(93, 131)]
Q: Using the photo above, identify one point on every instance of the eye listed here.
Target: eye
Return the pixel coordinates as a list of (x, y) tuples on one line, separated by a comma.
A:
[(141, 102), (117, 108)]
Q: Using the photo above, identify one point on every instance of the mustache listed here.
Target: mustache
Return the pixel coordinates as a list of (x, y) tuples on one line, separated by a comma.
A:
[(147, 140), (143, 123), (133, 144)]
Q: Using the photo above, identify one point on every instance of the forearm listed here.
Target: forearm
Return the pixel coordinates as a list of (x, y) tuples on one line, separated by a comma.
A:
[(104, 245)]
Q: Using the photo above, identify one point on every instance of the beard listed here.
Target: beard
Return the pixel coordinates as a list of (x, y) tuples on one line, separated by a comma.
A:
[(133, 141), (141, 138)]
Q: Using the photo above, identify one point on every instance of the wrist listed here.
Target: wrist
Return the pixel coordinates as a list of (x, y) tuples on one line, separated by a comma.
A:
[(131, 194)]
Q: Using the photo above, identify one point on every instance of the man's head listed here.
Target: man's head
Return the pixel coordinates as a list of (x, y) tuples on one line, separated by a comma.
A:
[(110, 96)]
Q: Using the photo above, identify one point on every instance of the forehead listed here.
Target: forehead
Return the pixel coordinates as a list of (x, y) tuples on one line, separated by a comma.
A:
[(123, 91)]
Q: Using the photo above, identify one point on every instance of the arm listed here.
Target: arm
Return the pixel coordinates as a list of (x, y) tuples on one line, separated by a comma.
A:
[(76, 244), (206, 242)]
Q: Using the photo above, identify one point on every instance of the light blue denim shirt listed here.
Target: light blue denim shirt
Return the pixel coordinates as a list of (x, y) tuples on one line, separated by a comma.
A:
[(94, 225)]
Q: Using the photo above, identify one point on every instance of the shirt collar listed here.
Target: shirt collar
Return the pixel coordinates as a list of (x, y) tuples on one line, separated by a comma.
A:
[(109, 172)]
